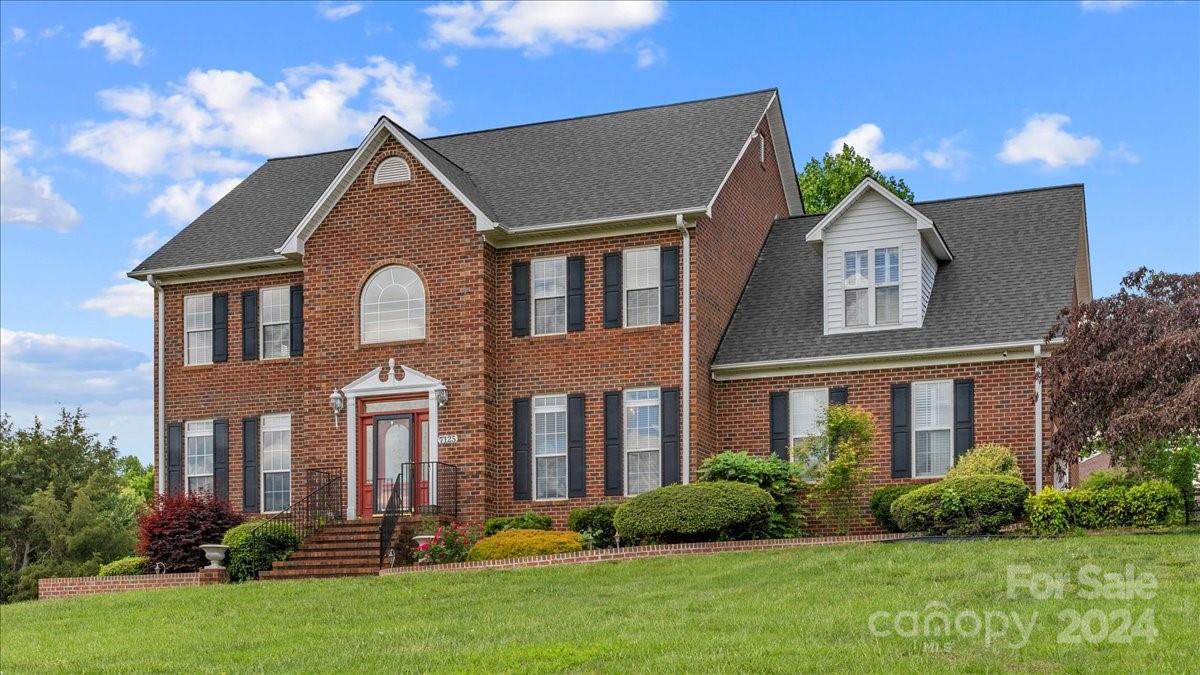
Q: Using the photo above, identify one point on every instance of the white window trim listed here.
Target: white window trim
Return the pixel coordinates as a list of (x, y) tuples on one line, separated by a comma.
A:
[(186, 332), (533, 296), (890, 284), (362, 332), (625, 290), (870, 286), (535, 409), (262, 473), (625, 451), (792, 437), (915, 428), (187, 433), (262, 324)]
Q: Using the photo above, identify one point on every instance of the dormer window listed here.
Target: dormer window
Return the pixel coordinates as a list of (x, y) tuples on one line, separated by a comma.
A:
[(887, 286), (856, 289)]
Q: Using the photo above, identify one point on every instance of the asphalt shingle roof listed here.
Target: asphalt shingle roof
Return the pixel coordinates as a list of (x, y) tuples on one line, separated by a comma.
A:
[(1013, 269)]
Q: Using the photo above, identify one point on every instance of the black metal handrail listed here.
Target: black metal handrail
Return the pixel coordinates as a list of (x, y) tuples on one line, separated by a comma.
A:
[(321, 505), (421, 488)]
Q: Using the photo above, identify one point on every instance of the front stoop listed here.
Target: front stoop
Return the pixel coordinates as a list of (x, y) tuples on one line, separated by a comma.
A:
[(337, 550)]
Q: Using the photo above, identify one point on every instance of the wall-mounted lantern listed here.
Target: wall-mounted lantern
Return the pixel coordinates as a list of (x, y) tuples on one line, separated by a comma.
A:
[(337, 403)]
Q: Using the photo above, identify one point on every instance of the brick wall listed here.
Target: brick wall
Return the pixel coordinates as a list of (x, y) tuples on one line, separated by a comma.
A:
[(66, 587)]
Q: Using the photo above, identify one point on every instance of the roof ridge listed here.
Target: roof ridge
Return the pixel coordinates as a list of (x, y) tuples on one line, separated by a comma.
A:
[(958, 199), (310, 154)]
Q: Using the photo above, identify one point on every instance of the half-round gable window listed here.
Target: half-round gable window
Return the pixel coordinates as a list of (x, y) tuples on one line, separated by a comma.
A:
[(392, 170), (393, 306)]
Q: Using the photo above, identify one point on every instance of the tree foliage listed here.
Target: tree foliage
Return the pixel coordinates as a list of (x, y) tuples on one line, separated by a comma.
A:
[(837, 464), (826, 181), (1128, 375)]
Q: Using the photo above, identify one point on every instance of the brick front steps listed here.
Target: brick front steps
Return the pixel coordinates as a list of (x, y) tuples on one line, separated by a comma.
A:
[(337, 550), (635, 552)]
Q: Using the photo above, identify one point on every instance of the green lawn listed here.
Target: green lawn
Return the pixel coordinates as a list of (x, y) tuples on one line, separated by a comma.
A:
[(783, 611)]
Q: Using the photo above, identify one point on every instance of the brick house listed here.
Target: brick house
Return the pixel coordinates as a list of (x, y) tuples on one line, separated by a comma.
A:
[(559, 314)]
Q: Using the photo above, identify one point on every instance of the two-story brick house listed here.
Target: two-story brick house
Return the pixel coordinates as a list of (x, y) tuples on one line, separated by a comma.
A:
[(558, 314)]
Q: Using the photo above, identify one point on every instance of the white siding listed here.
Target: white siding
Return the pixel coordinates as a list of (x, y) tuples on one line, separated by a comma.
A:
[(928, 272), (870, 223)]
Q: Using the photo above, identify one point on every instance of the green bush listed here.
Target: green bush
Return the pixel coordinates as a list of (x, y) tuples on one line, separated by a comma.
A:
[(518, 543), (595, 524), (252, 548), (881, 504), (781, 479), (965, 505), (704, 511), (130, 564), (527, 521), (836, 463), (1107, 478), (1094, 509), (985, 459), (1153, 503), (1048, 512)]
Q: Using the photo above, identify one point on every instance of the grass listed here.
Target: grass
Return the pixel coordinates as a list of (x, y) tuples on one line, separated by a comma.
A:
[(777, 611)]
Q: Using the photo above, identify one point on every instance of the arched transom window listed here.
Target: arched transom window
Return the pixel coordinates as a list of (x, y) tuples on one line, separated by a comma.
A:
[(393, 306)]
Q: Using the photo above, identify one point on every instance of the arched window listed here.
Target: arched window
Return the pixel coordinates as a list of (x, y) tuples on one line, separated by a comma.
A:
[(392, 170), (393, 306)]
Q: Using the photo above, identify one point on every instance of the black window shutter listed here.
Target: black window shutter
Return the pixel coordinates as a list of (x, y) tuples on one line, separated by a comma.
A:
[(296, 332), (613, 483), (250, 464), (522, 437), (964, 416), (575, 293), (668, 271), (221, 458), (576, 455), (839, 395), (612, 290), (670, 436), (174, 458), (779, 424), (220, 327), (901, 431), (520, 298), (249, 325)]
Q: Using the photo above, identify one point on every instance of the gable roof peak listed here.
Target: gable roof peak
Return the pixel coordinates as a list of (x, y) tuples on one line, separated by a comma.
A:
[(925, 225)]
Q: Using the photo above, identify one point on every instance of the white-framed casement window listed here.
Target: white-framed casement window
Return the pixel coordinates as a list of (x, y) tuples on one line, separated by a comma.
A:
[(643, 440), (276, 431), (550, 447), (549, 281), (641, 287), (857, 293), (274, 317), (392, 306), (197, 329), (887, 286), (806, 412), (933, 428), (198, 465)]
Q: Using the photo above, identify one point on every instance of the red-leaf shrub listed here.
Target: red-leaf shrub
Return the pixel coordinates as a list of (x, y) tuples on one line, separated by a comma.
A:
[(172, 530)]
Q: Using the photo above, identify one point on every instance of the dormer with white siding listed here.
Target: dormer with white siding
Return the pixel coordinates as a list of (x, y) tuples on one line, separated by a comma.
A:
[(880, 258)]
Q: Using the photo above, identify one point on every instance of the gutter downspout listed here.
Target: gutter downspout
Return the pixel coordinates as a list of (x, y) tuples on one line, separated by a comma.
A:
[(686, 388), (1037, 421), (159, 455)]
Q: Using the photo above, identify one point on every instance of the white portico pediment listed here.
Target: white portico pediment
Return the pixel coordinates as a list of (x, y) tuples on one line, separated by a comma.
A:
[(382, 381)]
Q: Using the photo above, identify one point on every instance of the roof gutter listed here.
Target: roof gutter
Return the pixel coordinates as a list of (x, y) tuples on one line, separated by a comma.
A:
[(144, 275), (160, 457), (686, 350)]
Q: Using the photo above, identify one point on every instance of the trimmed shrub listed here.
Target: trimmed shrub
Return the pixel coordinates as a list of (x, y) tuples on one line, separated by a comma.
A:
[(1048, 512), (781, 479), (519, 543), (130, 564), (595, 524), (881, 504), (252, 548), (1153, 503), (985, 459), (171, 531), (965, 505), (527, 521), (1107, 478), (1099, 508), (704, 511)]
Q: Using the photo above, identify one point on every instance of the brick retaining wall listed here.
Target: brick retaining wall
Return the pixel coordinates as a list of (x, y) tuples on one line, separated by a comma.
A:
[(635, 552), (66, 587)]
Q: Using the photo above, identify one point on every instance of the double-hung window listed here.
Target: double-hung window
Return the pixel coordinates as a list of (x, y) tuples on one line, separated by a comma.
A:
[(550, 447), (199, 464), (643, 440), (856, 291), (933, 420), (276, 462), (549, 296), (641, 285), (274, 317), (197, 327), (807, 408), (887, 286)]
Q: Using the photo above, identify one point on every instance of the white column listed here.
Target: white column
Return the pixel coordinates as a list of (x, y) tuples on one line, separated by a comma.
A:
[(351, 458), (433, 445)]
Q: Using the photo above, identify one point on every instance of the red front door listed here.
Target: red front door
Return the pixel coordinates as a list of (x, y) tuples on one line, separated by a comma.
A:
[(392, 441)]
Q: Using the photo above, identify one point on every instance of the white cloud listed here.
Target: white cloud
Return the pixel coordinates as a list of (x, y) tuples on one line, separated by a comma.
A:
[(51, 31), (1043, 139), (26, 196), (116, 37), (537, 27), (1122, 153), (648, 53), (145, 243), (949, 154), (128, 298), (1106, 6), (450, 60), (18, 34), (182, 202), (867, 140), (336, 11)]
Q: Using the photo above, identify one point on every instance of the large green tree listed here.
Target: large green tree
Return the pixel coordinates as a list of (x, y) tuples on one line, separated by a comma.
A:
[(824, 182)]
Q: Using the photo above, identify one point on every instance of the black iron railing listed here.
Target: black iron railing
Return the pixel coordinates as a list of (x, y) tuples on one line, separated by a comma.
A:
[(321, 505), (421, 488)]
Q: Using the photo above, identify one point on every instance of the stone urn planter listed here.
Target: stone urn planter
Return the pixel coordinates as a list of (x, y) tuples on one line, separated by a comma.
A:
[(423, 539), (215, 554)]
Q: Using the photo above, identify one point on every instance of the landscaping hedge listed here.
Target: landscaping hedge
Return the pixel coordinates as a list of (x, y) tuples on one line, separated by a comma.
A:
[(780, 478), (130, 564), (704, 511), (1153, 503), (252, 549), (980, 504), (1048, 512), (985, 459), (595, 524), (881, 504), (1098, 509), (526, 521), (522, 543)]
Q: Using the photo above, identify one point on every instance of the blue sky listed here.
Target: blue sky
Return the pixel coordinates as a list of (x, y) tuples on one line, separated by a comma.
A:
[(123, 121)]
